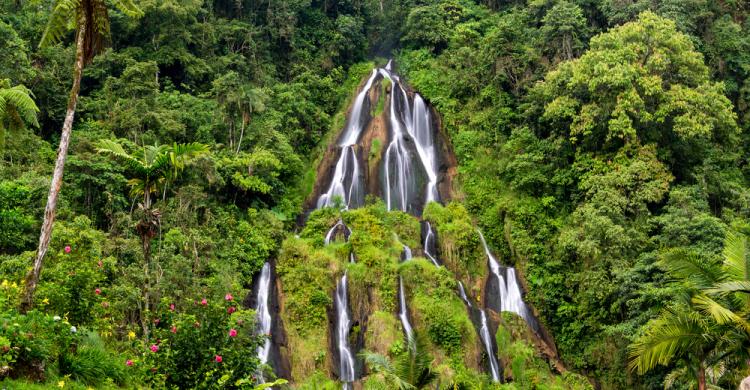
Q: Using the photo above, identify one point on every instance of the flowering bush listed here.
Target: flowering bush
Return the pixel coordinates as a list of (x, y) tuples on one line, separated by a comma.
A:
[(29, 343), (205, 346)]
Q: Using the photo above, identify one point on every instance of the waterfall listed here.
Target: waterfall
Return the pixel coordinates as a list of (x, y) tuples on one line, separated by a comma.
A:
[(354, 126), (346, 360), (403, 313), (343, 323), (264, 313), (484, 333), (346, 182), (420, 128), (462, 294), (509, 290), (398, 167), (430, 245)]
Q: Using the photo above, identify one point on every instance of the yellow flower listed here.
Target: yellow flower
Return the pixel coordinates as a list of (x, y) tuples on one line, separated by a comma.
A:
[(45, 301), (61, 384), (14, 284), (4, 283), (131, 335)]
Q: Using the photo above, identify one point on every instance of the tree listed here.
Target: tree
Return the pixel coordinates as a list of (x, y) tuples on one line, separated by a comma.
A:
[(91, 21), (564, 29), (152, 167), (17, 108), (641, 83), (708, 326), (238, 101), (410, 370)]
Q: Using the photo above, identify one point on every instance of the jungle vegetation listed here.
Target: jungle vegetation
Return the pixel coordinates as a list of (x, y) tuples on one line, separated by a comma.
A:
[(602, 148)]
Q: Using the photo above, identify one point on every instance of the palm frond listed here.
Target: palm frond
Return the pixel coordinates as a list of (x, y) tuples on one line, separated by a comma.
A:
[(382, 365), (128, 7), (729, 287), (62, 14), (718, 312), (21, 99), (685, 265), (673, 333), (735, 256), (115, 149)]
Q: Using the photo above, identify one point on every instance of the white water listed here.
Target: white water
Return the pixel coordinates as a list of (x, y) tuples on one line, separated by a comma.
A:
[(462, 293), (509, 290), (398, 164), (396, 176), (332, 231), (264, 313), (484, 334), (346, 180), (429, 242), (343, 324), (354, 127), (346, 360), (420, 128), (403, 313), (347, 169)]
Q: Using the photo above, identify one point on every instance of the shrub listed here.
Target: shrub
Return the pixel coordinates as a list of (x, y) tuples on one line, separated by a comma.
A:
[(204, 347)]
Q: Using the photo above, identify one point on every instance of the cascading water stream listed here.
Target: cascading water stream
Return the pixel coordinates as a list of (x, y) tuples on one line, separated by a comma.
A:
[(343, 323), (264, 314), (485, 335), (346, 359), (509, 291), (419, 127), (430, 245), (346, 182), (403, 313), (398, 168)]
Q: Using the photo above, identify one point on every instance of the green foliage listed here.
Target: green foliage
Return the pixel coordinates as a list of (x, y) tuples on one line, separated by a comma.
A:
[(193, 347), (410, 370)]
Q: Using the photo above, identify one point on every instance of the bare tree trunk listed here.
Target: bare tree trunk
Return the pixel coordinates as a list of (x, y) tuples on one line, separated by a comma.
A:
[(32, 279), (242, 132), (146, 242)]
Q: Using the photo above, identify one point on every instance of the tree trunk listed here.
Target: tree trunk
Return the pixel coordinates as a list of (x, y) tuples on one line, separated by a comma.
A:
[(32, 279), (242, 132), (701, 376), (146, 242)]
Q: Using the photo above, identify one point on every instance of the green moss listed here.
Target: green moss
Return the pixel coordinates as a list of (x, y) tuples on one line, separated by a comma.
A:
[(460, 246)]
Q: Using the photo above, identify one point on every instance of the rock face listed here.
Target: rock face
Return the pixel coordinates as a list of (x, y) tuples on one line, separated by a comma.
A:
[(279, 355)]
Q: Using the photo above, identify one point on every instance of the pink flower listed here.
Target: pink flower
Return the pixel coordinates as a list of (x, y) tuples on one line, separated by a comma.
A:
[(100, 264), (97, 291), (228, 297), (218, 358), (204, 302), (128, 362), (67, 248), (174, 329), (171, 307), (154, 348), (156, 321), (231, 309), (232, 333)]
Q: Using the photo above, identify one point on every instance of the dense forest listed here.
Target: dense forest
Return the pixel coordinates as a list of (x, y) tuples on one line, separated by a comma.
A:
[(390, 194)]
